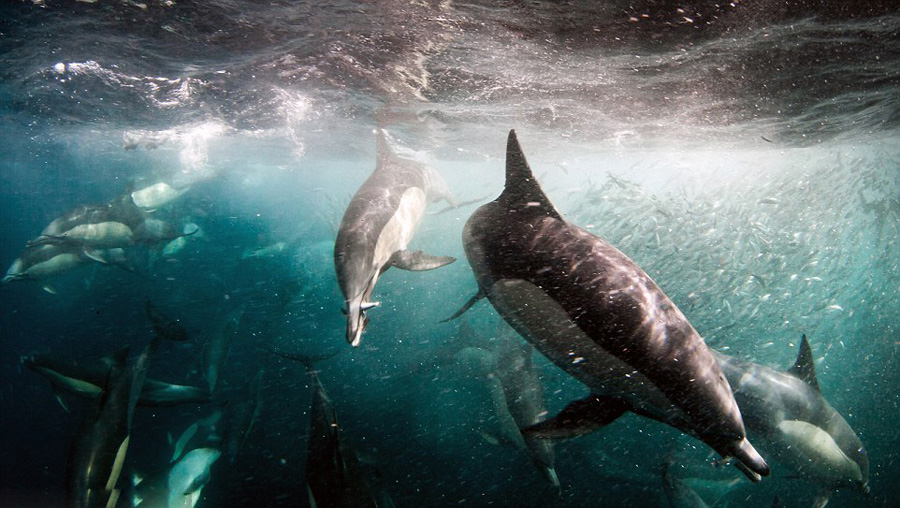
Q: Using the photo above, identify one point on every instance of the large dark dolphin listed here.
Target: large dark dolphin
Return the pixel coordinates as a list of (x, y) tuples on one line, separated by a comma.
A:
[(598, 316), (786, 414), (377, 227)]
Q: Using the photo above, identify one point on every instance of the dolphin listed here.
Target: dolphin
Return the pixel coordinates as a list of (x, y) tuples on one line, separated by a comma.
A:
[(98, 452), (244, 417), (120, 223), (217, 346), (594, 313), (41, 262), (787, 415), (335, 478), (202, 433), (333, 474), (378, 225), (482, 364), (85, 379), (180, 484), (156, 195), (525, 400), (96, 226), (517, 398), (677, 493)]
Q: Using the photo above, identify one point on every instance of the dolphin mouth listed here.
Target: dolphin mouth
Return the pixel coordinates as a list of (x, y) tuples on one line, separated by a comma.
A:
[(357, 320), (356, 324), (750, 462)]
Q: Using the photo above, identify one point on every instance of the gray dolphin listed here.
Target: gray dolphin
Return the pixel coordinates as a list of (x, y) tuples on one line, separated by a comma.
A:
[(594, 313), (788, 417), (42, 262), (98, 452), (97, 226), (376, 229), (525, 400), (677, 493), (516, 395), (218, 345), (85, 379), (179, 484), (120, 223), (335, 478)]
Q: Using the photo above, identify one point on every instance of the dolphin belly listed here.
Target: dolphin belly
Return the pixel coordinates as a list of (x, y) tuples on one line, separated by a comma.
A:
[(401, 227), (537, 316), (56, 265), (810, 449)]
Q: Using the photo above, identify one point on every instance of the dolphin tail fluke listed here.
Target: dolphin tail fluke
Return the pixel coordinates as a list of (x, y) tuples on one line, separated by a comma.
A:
[(579, 418), (382, 149), (418, 261), (466, 306), (308, 360), (96, 255)]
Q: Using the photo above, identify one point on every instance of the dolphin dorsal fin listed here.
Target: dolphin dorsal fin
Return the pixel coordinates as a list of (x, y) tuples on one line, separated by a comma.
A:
[(383, 151), (804, 368), (521, 190)]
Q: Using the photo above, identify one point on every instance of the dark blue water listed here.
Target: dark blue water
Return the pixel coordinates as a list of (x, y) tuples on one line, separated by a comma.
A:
[(746, 156)]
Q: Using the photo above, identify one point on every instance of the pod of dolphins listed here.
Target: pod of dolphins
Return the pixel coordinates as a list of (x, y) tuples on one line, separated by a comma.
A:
[(571, 295), (599, 317), (97, 233)]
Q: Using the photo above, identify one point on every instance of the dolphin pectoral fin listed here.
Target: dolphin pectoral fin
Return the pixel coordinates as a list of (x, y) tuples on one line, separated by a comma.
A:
[(579, 418), (60, 399), (96, 255), (369, 305), (468, 305), (418, 261)]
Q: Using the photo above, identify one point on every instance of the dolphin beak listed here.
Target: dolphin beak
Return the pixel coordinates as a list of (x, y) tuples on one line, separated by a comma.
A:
[(357, 319), (356, 323), (751, 462)]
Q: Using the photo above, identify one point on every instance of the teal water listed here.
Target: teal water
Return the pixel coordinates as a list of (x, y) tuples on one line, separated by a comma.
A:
[(750, 165)]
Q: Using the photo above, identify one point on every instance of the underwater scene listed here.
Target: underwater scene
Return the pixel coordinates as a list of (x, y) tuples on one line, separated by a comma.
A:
[(434, 253)]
